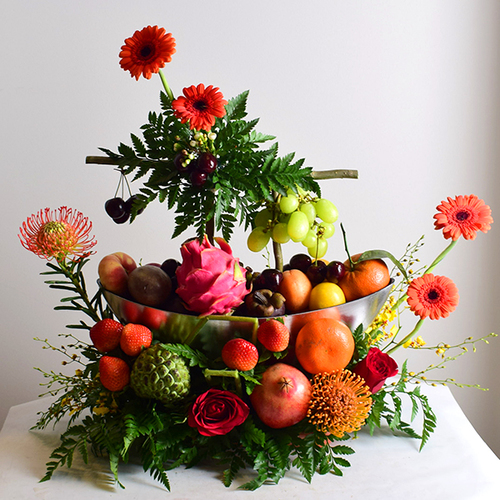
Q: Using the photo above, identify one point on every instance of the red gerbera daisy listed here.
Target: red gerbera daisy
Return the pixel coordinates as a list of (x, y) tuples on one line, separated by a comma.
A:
[(432, 296), (200, 106), (464, 215), (57, 234), (147, 51)]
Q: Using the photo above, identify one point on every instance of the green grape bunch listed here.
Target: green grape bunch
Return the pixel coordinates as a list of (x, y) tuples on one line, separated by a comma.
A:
[(301, 217)]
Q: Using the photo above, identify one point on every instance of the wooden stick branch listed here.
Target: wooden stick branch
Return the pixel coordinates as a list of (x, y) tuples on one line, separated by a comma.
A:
[(316, 174)]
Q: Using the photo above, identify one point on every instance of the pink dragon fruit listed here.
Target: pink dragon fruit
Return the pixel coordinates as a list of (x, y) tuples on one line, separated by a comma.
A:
[(210, 280)]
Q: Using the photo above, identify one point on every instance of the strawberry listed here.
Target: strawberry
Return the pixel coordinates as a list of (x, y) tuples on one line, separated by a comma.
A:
[(114, 373), (273, 335), (240, 354), (105, 334), (134, 338)]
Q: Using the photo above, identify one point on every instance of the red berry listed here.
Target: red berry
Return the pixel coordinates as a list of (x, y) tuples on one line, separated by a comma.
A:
[(114, 373), (273, 335), (134, 338), (105, 334), (240, 354)]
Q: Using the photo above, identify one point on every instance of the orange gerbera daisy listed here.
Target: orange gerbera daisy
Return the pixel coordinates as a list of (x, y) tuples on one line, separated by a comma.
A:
[(200, 106), (57, 234), (147, 51), (432, 296), (464, 215), (340, 402)]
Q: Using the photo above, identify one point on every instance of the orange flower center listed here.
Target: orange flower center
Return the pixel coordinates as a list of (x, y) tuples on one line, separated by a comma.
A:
[(56, 238)]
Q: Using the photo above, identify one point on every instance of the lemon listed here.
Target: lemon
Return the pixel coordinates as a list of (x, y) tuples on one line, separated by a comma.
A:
[(326, 294)]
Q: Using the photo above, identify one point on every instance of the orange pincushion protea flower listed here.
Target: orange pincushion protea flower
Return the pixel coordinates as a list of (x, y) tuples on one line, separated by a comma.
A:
[(463, 216), (147, 51), (432, 296), (340, 402), (57, 234), (200, 106)]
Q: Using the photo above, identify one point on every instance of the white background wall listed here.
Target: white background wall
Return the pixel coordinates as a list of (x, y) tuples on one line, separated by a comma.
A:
[(407, 92)]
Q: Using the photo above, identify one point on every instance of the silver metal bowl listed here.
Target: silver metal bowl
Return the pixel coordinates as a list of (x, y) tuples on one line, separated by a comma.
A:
[(210, 333)]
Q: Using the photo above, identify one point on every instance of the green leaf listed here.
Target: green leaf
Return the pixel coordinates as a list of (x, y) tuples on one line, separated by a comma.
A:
[(382, 254)]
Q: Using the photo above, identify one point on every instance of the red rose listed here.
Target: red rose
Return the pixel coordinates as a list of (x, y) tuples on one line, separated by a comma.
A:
[(375, 368), (215, 412)]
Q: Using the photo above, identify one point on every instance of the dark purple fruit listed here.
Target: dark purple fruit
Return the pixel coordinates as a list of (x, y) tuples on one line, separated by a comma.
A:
[(316, 272), (207, 163), (170, 266), (335, 271), (198, 178), (149, 285), (300, 261), (269, 278), (115, 207)]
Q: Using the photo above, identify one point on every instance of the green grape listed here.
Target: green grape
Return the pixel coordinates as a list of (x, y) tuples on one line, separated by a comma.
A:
[(326, 210), (262, 218), (298, 225), (311, 239), (289, 203), (280, 233), (319, 250), (258, 239), (326, 229), (309, 210)]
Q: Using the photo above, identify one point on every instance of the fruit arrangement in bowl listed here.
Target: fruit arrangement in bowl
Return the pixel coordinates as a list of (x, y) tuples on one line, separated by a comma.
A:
[(201, 357)]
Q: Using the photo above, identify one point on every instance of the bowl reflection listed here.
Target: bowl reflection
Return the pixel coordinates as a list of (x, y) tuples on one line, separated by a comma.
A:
[(210, 334)]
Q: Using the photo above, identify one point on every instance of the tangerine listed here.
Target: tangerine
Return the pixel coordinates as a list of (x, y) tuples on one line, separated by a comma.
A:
[(296, 288), (324, 345), (363, 278), (325, 295)]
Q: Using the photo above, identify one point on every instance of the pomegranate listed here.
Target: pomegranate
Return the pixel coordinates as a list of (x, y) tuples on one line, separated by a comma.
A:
[(283, 397)]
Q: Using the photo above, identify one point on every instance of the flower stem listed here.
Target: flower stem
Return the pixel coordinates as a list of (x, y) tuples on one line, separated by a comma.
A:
[(166, 86), (440, 257), (408, 337)]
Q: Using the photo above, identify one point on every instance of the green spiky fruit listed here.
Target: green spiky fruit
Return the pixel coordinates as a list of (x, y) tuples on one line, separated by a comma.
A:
[(160, 374)]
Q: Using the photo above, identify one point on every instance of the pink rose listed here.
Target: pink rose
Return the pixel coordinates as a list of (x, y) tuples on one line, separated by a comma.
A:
[(375, 368), (216, 412)]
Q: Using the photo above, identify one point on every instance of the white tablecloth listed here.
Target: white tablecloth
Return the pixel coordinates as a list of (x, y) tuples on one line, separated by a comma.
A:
[(454, 464)]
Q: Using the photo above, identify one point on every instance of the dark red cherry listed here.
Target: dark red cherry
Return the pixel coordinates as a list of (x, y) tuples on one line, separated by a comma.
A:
[(129, 203), (122, 219), (269, 279), (316, 272), (335, 271), (182, 166), (300, 261), (207, 162), (115, 207), (170, 266), (198, 178)]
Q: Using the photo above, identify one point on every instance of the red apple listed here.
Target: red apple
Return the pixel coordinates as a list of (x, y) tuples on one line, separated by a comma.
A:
[(113, 272), (283, 397)]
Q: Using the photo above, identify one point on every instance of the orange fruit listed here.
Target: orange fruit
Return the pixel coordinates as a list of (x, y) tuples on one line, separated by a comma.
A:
[(296, 288), (364, 278), (297, 321), (325, 295), (324, 345)]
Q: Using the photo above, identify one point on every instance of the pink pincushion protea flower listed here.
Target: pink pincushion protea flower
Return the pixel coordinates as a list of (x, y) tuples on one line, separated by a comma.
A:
[(210, 279), (57, 234)]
